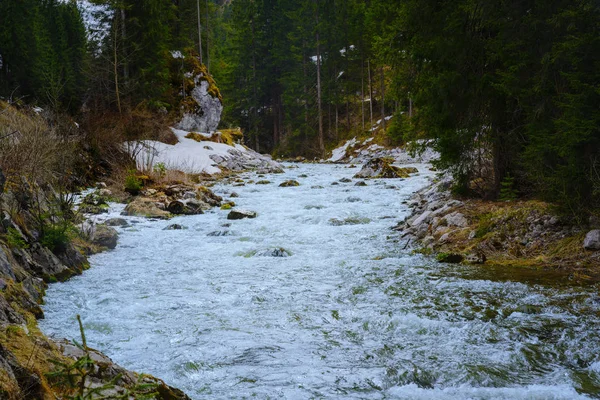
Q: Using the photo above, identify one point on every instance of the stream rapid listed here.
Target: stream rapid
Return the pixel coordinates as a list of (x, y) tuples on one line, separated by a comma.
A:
[(346, 313)]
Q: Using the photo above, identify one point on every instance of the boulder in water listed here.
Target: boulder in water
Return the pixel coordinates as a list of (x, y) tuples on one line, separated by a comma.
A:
[(241, 214), (175, 227), (116, 222), (290, 183), (382, 168), (105, 236), (145, 207)]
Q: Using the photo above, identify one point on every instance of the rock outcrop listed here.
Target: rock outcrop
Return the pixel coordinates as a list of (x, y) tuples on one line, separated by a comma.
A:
[(201, 103)]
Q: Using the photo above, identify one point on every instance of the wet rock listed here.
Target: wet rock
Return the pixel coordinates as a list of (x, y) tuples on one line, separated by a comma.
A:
[(476, 258), (381, 168), (234, 195), (176, 207), (105, 236), (528, 309), (592, 240), (290, 183), (116, 222), (241, 214), (263, 182), (209, 197), (334, 183), (360, 183), (277, 252), (145, 207), (353, 199), (175, 227), (345, 180), (450, 258), (220, 233), (349, 221)]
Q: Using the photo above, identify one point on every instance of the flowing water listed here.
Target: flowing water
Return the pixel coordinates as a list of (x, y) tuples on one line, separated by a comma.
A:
[(343, 312)]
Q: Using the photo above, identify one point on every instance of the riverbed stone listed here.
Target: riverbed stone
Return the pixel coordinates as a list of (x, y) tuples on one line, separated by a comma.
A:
[(117, 222), (105, 236), (175, 227), (145, 207), (290, 183), (592, 240), (238, 214)]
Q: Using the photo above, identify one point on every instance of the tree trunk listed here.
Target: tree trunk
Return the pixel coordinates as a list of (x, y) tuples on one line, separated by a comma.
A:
[(362, 92), (383, 99), (199, 32), (116, 68), (319, 100), (124, 38), (370, 92), (207, 40)]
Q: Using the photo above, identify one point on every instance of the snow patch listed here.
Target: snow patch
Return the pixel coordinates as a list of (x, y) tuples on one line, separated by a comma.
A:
[(191, 156), (340, 152)]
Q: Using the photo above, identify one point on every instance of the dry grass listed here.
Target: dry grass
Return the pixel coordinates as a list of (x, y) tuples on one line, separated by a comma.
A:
[(31, 149)]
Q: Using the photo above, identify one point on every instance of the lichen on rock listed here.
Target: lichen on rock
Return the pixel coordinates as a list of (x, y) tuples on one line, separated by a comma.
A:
[(201, 103)]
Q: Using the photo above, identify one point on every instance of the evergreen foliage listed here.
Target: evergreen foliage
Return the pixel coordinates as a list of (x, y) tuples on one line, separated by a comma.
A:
[(504, 91)]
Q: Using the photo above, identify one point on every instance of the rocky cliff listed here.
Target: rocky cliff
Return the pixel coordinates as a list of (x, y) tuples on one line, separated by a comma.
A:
[(33, 366)]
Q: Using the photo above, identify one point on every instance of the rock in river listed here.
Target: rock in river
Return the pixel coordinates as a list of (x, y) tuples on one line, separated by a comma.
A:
[(289, 184), (381, 168), (105, 236), (241, 214)]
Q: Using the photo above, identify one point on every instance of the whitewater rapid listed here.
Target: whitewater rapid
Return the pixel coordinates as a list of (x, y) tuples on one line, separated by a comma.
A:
[(347, 314)]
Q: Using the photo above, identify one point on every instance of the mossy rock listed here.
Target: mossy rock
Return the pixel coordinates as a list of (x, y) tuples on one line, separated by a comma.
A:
[(290, 183), (450, 258), (383, 168)]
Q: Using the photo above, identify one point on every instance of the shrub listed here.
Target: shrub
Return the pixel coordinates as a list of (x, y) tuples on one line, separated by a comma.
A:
[(56, 237), (133, 184), (507, 189), (15, 240)]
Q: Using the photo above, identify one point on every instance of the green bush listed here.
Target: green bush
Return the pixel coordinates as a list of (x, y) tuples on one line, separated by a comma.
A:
[(15, 240), (56, 237), (133, 184), (507, 189), (160, 169)]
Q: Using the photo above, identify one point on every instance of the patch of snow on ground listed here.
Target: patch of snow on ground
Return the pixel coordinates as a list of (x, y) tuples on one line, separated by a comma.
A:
[(340, 152), (188, 155)]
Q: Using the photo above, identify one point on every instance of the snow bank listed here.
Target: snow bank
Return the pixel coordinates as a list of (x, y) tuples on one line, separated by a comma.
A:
[(191, 156), (356, 152), (339, 153)]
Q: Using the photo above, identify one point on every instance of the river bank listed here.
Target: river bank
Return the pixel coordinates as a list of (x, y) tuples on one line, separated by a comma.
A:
[(519, 234), (32, 365)]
